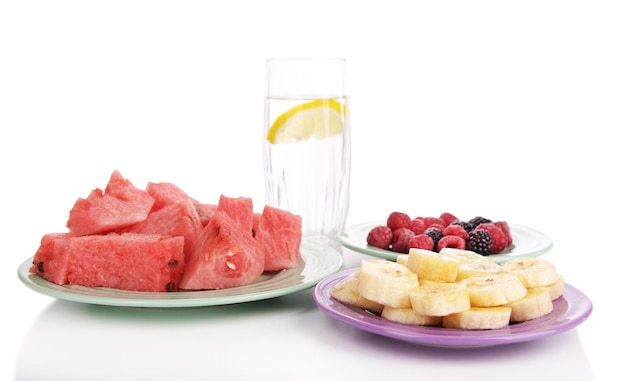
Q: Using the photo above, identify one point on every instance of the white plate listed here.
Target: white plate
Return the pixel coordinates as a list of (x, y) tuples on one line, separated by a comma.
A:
[(319, 261), (527, 242)]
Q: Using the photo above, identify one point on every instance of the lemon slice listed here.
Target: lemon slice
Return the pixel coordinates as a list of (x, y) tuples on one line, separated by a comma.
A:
[(321, 118)]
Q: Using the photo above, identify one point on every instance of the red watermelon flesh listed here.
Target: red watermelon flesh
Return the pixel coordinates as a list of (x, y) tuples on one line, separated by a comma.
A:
[(166, 194), (178, 219), (205, 211), (121, 204), (280, 232), (239, 209), (224, 256), (50, 260), (136, 262)]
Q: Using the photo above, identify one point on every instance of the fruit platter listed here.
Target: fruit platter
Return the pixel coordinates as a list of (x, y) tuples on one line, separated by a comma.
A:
[(159, 247)]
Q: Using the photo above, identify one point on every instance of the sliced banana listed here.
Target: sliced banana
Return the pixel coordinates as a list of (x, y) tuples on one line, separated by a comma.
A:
[(386, 282), (533, 272), (494, 290), (430, 265)]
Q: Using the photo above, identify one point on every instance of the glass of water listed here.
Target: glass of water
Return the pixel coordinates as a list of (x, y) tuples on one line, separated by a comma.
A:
[(306, 143)]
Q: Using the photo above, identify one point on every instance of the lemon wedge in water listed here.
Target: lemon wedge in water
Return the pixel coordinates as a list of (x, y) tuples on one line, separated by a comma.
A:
[(320, 118)]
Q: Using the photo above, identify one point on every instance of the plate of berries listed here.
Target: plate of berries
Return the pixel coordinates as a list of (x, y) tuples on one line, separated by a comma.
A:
[(499, 240)]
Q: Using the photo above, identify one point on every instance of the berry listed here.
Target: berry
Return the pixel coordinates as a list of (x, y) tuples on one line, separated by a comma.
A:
[(401, 241), (457, 230), (448, 218), (498, 237), (466, 225), (430, 221), (435, 234), (480, 241), (417, 225), (504, 226), (421, 241), (399, 232), (398, 220), (451, 241), (477, 221), (380, 237)]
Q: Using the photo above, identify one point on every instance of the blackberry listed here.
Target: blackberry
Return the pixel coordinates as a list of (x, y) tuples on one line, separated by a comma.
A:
[(435, 234), (477, 221), (466, 225), (480, 241)]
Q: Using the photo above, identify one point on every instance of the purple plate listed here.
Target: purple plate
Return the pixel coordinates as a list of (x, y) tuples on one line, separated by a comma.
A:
[(570, 310)]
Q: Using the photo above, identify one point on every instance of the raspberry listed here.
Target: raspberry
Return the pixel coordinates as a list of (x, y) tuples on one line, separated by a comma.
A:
[(400, 243), (435, 234), (448, 218), (498, 237), (451, 241), (466, 225), (457, 230), (430, 221), (398, 220), (417, 225), (399, 232), (380, 237), (477, 221), (480, 241), (421, 241), (504, 226), (437, 225)]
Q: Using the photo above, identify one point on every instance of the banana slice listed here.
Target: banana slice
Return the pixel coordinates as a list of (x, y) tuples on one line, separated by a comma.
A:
[(494, 290), (472, 269), (408, 316), (479, 318), (439, 299), (556, 289), (533, 272), (347, 293), (386, 282), (535, 304), (465, 256), (402, 258), (431, 265)]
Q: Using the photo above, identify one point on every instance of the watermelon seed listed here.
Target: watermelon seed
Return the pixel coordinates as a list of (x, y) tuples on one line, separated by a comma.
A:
[(170, 287), (172, 263), (231, 265), (40, 267)]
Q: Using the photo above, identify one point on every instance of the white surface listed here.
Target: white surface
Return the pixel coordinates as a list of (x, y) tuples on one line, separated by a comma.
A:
[(509, 110)]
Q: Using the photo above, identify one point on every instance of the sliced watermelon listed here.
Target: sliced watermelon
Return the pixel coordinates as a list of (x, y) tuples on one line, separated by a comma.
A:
[(166, 194), (129, 261), (205, 211), (239, 209), (225, 255), (121, 204), (50, 260), (280, 233), (177, 219)]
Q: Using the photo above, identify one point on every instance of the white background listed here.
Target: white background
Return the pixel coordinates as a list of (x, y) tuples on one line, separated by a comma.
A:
[(510, 110)]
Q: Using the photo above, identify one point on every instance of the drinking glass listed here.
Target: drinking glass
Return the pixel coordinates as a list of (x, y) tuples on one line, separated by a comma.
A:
[(306, 143)]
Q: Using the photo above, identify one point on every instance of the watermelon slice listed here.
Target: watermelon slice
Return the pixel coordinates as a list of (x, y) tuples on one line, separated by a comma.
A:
[(166, 194), (178, 219), (129, 261), (225, 255), (239, 209), (50, 260), (120, 205), (205, 211), (137, 262), (280, 233)]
